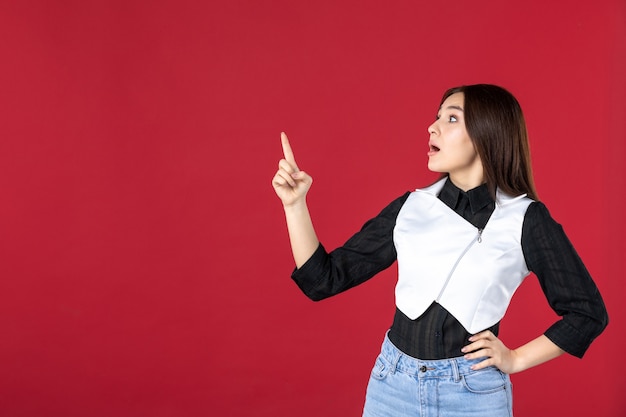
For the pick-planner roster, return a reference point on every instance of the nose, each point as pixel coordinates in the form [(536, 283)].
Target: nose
[(432, 128)]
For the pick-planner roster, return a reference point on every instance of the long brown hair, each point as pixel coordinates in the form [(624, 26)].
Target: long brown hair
[(495, 123)]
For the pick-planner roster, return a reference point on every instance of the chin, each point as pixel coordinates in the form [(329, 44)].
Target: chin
[(434, 168)]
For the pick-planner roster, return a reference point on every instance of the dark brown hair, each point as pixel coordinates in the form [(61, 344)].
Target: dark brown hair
[(495, 123)]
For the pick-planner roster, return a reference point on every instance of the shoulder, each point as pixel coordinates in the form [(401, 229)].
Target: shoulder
[(397, 203), (537, 212), (392, 209), (540, 225)]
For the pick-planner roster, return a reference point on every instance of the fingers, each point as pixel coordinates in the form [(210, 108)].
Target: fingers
[(284, 177), (481, 345), (483, 364), (287, 151), (487, 335), (287, 174), (286, 171), (481, 349), (486, 345), (478, 341)]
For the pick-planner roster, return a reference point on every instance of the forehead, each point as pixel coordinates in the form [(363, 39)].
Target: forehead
[(455, 100)]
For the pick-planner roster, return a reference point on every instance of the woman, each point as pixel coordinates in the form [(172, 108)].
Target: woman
[(463, 245)]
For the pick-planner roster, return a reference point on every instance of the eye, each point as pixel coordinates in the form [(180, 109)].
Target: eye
[(452, 119)]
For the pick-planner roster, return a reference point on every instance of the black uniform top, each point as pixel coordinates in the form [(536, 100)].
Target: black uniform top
[(436, 334)]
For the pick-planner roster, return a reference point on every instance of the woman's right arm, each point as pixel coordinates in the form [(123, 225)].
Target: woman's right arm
[(291, 186), (320, 274)]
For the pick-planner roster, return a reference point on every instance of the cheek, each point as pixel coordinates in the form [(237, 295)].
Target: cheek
[(467, 149), (471, 153)]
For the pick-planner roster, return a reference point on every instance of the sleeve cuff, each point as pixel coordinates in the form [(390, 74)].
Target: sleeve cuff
[(308, 276), (568, 338)]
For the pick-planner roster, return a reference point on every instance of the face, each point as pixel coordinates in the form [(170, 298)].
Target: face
[(450, 148)]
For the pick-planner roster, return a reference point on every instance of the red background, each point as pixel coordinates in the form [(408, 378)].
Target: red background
[(144, 257)]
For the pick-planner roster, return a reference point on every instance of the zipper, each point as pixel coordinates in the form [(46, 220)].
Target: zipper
[(479, 239)]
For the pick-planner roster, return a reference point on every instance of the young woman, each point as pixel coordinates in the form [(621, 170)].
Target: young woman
[(463, 246)]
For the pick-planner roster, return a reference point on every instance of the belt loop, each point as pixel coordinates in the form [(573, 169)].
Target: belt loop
[(396, 359), (455, 370)]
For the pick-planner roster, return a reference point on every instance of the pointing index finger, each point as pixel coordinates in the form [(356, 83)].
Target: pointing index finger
[(287, 151)]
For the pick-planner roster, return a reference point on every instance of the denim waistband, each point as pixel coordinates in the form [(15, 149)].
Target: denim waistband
[(450, 367)]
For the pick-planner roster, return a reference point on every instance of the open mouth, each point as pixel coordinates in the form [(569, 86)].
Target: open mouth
[(433, 148)]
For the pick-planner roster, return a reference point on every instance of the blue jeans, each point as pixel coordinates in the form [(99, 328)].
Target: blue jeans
[(402, 386)]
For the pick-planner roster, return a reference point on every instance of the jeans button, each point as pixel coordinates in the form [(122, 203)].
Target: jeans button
[(423, 368)]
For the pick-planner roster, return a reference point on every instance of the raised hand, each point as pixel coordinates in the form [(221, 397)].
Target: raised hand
[(290, 184)]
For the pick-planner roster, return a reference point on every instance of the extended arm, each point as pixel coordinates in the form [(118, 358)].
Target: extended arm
[(291, 186)]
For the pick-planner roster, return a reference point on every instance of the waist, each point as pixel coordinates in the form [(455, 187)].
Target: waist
[(436, 334), (426, 368)]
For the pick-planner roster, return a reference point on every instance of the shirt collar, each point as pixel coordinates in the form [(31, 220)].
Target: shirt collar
[(479, 197)]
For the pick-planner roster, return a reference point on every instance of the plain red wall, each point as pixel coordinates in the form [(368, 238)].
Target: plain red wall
[(144, 257)]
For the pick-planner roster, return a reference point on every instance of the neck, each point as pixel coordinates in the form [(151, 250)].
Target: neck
[(465, 183)]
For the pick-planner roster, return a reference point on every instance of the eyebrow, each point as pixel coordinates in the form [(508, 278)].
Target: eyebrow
[(455, 108)]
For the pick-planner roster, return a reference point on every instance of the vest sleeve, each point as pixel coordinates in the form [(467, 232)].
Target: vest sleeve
[(366, 253), (565, 281)]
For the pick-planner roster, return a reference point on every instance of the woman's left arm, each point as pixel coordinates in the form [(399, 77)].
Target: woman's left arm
[(569, 289), (510, 361)]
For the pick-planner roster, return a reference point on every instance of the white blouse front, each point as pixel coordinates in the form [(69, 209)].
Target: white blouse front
[(442, 257)]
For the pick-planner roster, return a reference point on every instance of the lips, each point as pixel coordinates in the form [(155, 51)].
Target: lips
[(432, 149)]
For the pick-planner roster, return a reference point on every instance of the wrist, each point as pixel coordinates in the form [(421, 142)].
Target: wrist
[(517, 362), (295, 206)]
